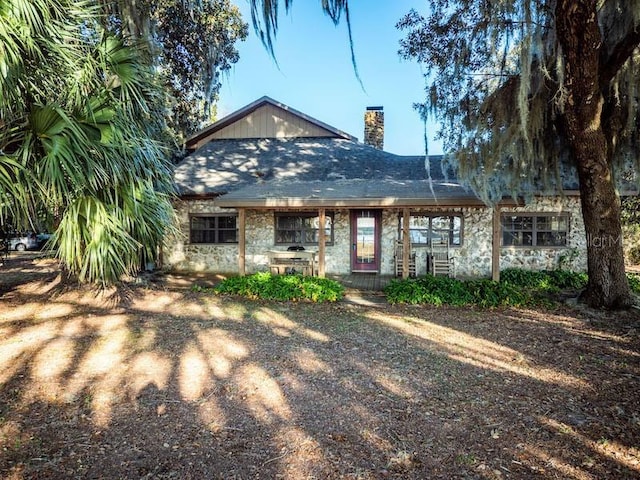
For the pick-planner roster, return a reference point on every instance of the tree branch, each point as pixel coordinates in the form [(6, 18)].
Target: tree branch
[(619, 55)]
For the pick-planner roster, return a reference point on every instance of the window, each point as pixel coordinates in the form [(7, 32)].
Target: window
[(214, 229), (302, 228), (424, 228), (537, 230)]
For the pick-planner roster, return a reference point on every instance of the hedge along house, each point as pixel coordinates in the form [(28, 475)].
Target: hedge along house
[(267, 177)]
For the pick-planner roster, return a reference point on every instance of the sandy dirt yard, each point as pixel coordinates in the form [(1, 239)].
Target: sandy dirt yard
[(156, 382)]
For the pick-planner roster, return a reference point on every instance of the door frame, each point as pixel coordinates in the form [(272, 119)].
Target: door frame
[(366, 267)]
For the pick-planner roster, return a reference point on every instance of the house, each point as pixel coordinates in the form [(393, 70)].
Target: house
[(268, 177)]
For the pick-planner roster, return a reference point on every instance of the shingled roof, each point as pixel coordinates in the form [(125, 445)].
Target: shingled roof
[(312, 172), (305, 162)]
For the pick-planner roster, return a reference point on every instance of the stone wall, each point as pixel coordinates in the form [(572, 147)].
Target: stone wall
[(573, 257), (471, 259), (180, 255)]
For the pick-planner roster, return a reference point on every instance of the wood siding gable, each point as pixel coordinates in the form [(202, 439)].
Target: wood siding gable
[(265, 118), (270, 121)]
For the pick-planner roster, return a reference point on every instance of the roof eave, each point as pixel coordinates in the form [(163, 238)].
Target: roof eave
[(383, 202)]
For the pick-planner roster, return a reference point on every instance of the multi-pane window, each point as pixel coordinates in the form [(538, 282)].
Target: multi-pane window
[(425, 228), (214, 229), (536, 230), (302, 228)]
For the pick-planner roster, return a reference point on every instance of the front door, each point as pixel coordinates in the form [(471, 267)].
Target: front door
[(365, 240)]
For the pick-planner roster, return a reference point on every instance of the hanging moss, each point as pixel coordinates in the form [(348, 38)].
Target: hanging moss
[(496, 81)]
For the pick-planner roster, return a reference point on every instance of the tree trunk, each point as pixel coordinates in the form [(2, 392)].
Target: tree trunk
[(580, 39), (608, 286)]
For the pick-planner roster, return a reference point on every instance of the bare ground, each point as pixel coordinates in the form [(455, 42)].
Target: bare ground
[(158, 382)]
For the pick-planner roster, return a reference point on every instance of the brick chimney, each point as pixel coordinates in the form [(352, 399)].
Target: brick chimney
[(374, 127)]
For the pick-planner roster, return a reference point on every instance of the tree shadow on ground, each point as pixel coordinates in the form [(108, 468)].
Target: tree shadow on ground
[(172, 384)]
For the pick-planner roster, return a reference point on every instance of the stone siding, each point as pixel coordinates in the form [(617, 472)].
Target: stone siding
[(572, 257), (181, 255), (472, 259)]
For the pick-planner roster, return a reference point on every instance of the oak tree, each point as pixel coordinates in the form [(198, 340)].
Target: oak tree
[(524, 89), (192, 44)]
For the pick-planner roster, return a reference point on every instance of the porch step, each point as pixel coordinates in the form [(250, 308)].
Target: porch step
[(365, 299)]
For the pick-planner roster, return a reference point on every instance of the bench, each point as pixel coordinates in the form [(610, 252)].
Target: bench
[(283, 262)]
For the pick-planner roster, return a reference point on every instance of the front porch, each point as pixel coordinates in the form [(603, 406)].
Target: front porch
[(369, 240)]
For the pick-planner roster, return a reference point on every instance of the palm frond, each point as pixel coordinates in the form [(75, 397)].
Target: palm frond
[(77, 137)]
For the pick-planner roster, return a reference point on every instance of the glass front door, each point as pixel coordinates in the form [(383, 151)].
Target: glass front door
[(365, 241)]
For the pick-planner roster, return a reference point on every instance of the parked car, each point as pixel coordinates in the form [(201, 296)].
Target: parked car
[(42, 239), (22, 242)]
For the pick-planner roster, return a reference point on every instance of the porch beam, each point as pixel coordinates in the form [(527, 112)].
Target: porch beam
[(242, 222), (321, 241), (406, 242), (495, 244)]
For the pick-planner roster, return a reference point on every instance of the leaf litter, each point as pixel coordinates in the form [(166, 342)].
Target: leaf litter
[(154, 381)]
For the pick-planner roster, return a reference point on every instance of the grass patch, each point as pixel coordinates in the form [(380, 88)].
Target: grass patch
[(267, 286)]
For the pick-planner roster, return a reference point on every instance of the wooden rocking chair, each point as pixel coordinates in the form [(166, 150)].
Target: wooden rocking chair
[(440, 259), (398, 258)]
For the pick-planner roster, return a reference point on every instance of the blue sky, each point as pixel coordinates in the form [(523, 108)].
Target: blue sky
[(315, 75)]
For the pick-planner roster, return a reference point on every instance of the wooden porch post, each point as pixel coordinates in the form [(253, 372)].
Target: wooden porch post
[(321, 241), (495, 244), (241, 241), (406, 243)]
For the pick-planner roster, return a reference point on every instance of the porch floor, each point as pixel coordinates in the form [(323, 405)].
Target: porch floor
[(363, 281)]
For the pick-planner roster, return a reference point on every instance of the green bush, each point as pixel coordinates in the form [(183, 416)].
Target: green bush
[(516, 288), (448, 291), (430, 290), (547, 281), (487, 293), (634, 282), (266, 286), (634, 254)]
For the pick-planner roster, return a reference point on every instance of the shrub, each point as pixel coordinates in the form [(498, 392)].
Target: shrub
[(266, 286), (552, 281), (448, 291), (427, 290), (634, 255), (516, 288), (634, 282), (487, 293), (547, 281)]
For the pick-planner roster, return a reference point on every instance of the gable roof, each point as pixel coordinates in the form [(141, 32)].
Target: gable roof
[(277, 121)]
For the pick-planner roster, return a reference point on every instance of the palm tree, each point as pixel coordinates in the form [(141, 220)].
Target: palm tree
[(80, 124)]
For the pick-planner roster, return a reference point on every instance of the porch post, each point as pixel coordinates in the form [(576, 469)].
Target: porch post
[(406, 243), (495, 244), (241, 241), (321, 241)]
